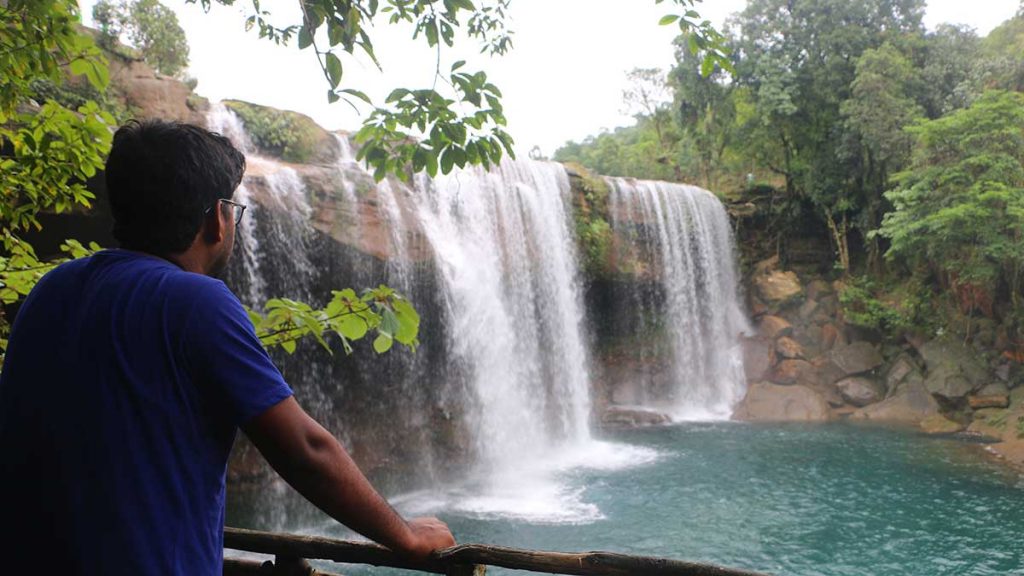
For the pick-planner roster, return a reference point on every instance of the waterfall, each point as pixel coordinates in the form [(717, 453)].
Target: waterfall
[(501, 383), (508, 265), (684, 306)]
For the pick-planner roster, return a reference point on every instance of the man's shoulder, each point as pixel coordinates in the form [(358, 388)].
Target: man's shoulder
[(169, 276), (131, 273)]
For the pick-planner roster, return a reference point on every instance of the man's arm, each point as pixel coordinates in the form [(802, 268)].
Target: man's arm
[(310, 459)]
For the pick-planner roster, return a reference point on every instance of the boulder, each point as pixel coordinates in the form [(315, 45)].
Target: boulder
[(766, 266), (790, 371), (826, 370), (859, 391), (829, 305), (632, 417), (807, 310), (821, 317), (953, 370), (902, 367), (995, 395), (939, 424), (772, 327), (830, 337), (998, 424), (950, 387), (831, 395), (757, 308), (910, 405), (786, 347), (756, 359), (978, 402), (778, 287), (766, 402), (1017, 397), (856, 358), (809, 339), (818, 288), (989, 423), (1003, 372)]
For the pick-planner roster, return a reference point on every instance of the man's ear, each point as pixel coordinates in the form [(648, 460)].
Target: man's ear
[(214, 225)]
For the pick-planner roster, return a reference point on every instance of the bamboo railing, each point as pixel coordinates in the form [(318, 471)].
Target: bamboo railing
[(291, 553)]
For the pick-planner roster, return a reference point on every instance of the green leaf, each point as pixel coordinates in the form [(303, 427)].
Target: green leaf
[(305, 38), (79, 67), (382, 343), (358, 94), (447, 161), (333, 69), (668, 19), (408, 322), (351, 326), (707, 66)]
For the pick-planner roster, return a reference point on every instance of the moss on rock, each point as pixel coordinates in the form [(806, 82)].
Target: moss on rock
[(291, 136), (590, 214)]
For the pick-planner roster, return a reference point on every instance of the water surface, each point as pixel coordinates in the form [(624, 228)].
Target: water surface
[(785, 499)]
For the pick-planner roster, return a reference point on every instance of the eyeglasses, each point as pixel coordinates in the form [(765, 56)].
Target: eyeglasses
[(238, 209)]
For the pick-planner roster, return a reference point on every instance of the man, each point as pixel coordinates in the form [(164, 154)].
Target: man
[(126, 378)]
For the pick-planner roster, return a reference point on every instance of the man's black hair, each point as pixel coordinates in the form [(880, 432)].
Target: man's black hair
[(162, 177)]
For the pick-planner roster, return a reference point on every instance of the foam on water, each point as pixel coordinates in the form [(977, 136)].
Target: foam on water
[(541, 491)]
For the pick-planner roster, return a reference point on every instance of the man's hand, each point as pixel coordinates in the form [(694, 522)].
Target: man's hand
[(428, 534), (314, 463)]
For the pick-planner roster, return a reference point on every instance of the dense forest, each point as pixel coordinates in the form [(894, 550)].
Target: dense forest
[(902, 147)]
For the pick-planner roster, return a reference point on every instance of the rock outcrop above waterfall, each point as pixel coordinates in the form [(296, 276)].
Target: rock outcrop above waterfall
[(150, 95)]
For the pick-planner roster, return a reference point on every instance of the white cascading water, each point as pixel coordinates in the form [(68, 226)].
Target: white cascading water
[(507, 256), (225, 122), (507, 277), (684, 231), (289, 230), (508, 263)]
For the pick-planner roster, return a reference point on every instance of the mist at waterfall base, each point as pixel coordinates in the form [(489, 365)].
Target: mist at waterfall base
[(487, 424)]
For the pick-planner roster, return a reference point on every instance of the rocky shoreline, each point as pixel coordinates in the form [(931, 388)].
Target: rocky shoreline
[(805, 363)]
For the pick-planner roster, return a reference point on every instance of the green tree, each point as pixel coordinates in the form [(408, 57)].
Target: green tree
[(48, 150), (1003, 51), (148, 26), (799, 57), (879, 107), (959, 208), (707, 113), (949, 65), (647, 99)]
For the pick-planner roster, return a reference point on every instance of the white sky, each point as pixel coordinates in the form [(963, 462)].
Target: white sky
[(562, 81)]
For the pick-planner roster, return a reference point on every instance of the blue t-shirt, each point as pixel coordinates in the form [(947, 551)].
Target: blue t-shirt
[(124, 384)]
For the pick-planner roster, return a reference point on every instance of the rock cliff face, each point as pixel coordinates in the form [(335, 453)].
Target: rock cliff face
[(804, 350)]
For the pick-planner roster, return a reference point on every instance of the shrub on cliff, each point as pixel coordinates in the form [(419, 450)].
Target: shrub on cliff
[(289, 135)]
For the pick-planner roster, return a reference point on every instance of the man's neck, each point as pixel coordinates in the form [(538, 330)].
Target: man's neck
[(185, 260)]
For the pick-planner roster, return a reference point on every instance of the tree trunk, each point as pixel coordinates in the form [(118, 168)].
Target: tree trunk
[(839, 235)]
